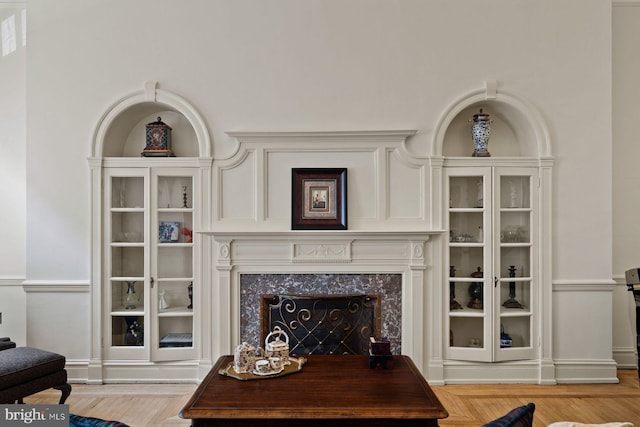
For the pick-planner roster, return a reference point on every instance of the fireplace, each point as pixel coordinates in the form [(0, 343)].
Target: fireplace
[(387, 286), (394, 265)]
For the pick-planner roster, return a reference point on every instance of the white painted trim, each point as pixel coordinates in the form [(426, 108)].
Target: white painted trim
[(492, 94), (583, 285), (56, 286), (149, 94), (625, 357), (586, 371), (11, 280), (625, 3), (12, 4)]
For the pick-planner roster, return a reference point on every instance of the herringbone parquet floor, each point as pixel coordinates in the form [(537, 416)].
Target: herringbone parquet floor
[(157, 405)]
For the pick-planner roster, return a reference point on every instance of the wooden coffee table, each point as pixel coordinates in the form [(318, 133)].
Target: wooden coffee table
[(329, 390)]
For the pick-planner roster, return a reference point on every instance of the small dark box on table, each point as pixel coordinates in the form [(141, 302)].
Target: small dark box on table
[(380, 356)]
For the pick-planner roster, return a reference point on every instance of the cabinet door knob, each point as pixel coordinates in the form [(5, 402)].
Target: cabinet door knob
[(151, 281), (495, 281)]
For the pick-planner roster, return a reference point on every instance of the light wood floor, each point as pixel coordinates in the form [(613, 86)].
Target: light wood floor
[(158, 405)]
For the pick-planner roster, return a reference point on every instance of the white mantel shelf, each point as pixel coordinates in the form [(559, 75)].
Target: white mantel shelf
[(324, 234), (319, 246)]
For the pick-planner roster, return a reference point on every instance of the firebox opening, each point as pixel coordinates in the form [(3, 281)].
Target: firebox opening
[(322, 324), (387, 286)]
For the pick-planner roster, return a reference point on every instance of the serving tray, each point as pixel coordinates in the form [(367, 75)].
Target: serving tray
[(292, 368)]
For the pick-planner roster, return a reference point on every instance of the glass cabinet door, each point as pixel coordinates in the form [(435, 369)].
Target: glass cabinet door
[(490, 255), (126, 225), (173, 264), (514, 257), (469, 249)]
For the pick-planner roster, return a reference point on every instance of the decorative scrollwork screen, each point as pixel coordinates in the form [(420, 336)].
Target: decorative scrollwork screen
[(323, 324)]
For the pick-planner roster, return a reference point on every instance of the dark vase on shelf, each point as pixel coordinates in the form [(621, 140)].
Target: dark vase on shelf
[(475, 291), (453, 304)]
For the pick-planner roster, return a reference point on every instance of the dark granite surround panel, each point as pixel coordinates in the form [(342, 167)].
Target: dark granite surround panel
[(388, 286)]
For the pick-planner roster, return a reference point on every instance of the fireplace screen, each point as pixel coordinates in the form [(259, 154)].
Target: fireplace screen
[(323, 324)]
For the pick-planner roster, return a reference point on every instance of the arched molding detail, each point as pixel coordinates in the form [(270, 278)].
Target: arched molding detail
[(152, 94), (491, 94)]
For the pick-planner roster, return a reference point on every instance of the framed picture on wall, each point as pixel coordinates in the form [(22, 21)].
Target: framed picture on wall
[(319, 199)]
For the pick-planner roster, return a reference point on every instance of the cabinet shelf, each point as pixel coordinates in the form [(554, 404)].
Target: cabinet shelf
[(515, 209), (121, 311), (515, 245), (466, 312), (136, 209), (462, 279), (466, 244), (176, 312), (126, 244), (514, 279), (465, 210), (175, 210), (175, 245), (515, 312), (126, 279)]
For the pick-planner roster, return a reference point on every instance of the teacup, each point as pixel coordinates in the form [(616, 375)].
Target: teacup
[(276, 363), (263, 366)]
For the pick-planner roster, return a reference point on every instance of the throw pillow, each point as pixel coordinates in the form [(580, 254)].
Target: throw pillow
[(572, 424), (521, 416), (80, 421)]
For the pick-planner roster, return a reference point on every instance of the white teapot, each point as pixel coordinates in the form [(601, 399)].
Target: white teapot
[(274, 346), (244, 358)]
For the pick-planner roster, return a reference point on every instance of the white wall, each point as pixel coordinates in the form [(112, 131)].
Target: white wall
[(324, 65), (626, 173), (12, 178)]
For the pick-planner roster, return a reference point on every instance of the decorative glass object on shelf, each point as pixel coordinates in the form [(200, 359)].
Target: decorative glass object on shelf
[(131, 299), (163, 304), (158, 140)]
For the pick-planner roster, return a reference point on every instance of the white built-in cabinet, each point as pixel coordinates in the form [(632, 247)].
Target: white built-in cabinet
[(496, 290), (492, 259), (150, 262), (149, 284)]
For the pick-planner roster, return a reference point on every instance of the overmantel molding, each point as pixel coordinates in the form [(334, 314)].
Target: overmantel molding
[(328, 140), (309, 136), (388, 248)]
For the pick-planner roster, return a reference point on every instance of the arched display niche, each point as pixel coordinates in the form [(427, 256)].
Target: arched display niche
[(518, 128), (121, 130)]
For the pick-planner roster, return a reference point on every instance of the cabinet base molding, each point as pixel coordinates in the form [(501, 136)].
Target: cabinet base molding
[(522, 372), (127, 373)]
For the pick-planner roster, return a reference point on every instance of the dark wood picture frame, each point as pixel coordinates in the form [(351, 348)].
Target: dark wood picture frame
[(319, 199)]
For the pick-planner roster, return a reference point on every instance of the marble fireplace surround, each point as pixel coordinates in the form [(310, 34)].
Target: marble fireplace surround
[(342, 262)]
